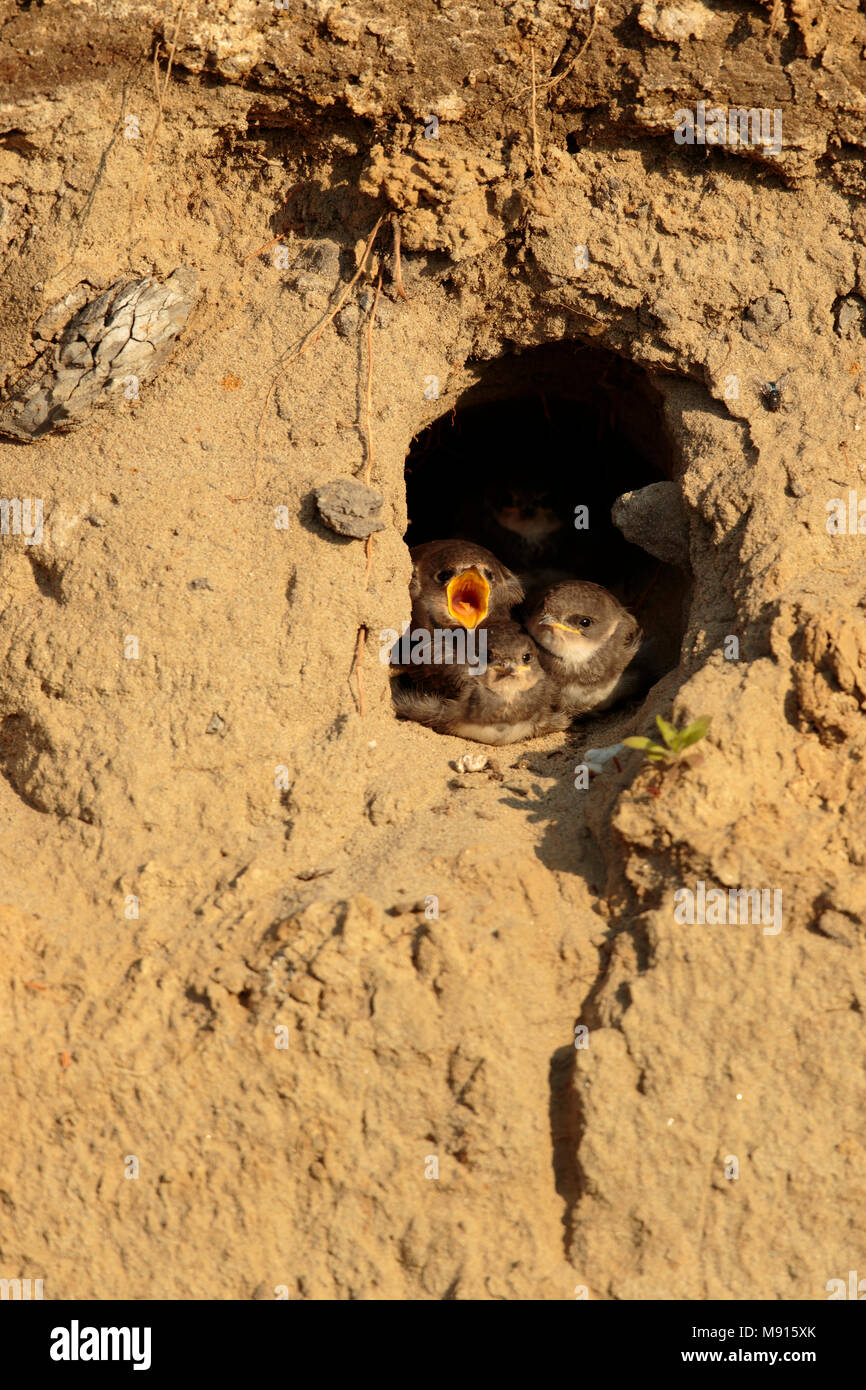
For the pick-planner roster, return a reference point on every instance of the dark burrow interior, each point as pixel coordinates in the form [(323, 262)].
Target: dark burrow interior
[(528, 464)]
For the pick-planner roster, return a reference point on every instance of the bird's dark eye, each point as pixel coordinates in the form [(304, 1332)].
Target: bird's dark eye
[(579, 620), (488, 575), (527, 657), (445, 576)]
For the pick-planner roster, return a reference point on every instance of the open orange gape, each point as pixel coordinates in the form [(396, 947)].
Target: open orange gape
[(468, 597)]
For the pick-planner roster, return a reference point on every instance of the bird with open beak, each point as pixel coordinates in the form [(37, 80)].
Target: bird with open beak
[(586, 639), (508, 699), (522, 519), (458, 584)]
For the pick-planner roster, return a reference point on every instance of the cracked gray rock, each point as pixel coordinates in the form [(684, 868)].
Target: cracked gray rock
[(350, 508), (851, 316), (114, 343), (655, 518), (765, 317)]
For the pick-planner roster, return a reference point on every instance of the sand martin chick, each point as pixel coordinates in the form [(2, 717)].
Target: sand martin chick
[(586, 639), (520, 519), (509, 699), (458, 584)]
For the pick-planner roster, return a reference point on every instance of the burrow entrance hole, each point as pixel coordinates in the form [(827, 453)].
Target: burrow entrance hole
[(544, 433)]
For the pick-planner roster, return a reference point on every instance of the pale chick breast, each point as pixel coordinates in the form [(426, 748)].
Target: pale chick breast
[(493, 733), (579, 699), (577, 650)]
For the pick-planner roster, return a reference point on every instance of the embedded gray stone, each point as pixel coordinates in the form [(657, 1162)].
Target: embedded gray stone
[(350, 508), (114, 343), (851, 316), (765, 316), (655, 518)]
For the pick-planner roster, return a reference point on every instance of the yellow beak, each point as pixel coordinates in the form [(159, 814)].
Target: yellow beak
[(563, 627), (468, 596)]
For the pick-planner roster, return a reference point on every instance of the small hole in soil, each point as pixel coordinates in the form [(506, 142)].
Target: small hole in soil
[(544, 434)]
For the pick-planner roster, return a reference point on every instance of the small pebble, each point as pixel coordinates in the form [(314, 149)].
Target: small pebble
[(472, 762), (350, 508)]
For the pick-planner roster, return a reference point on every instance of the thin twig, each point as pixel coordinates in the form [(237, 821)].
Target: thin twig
[(290, 226), (368, 471), (368, 429), (555, 81), (136, 203), (356, 668), (581, 313), (83, 216), (312, 336), (368, 557), (267, 246), (536, 156), (86, 210), (344, 296), (398, 271), (160, 102)]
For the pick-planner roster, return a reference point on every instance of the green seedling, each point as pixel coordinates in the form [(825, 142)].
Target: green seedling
[(676, 741)]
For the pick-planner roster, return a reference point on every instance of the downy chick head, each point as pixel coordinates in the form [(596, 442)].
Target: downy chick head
[(512, 666), (459, 584), (528, 512), (582, 623)]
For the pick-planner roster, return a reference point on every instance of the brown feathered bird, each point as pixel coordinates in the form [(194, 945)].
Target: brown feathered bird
[(459, 584), (586, 640), (507, 698)]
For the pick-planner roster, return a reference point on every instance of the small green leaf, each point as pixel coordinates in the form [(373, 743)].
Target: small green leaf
[(668, 732), (694, 731), (676, 741)]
